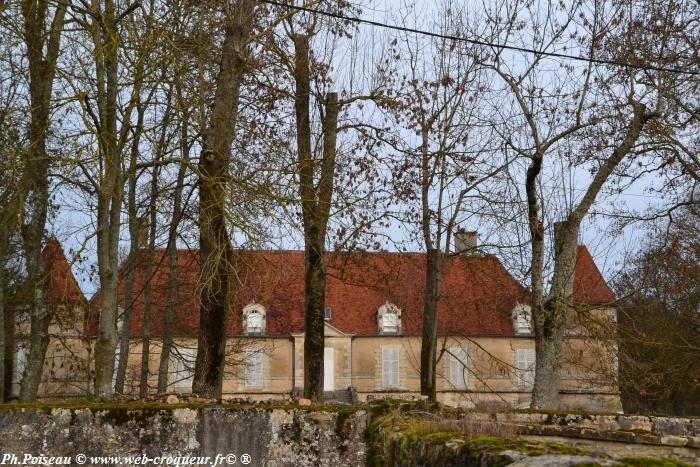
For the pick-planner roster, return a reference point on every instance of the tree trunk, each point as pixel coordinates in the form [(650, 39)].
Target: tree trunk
[(314, 289), (172, 259), (550, 327), (214, 241), (148, 293), (135, 229), (9, 212), (38, 342), (153, 219), (109, 197), (39, 311), (7, 323), (550, 315), (9, 355), (428, 354), (3, 341), (41, 74), (315, 206)]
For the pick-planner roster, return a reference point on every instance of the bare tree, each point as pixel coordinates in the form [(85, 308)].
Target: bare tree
[(316, 177), (14, 183), (135, 237), (659, 323), (560, 112), (105, 25), (173, 260), (436, 97), (215, 243), (43, 41)]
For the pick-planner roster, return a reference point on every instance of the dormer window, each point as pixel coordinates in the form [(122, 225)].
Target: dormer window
[(522, 319), (389, 319), (328, 313), (254, 319)]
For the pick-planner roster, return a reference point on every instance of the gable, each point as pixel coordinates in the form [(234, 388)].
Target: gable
[(60, 284), (589, 285)]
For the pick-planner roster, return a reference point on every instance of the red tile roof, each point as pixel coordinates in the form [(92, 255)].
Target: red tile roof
[(61, 286), (477, 293), (589, 285)]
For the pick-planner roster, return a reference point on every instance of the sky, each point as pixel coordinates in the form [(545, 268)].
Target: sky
[(609, 247)]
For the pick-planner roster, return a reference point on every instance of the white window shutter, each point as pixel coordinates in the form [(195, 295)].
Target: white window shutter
[(459, 364), (390, 366), (259, 369), (117, 356), (525, 363), (254, 323), (21, 362), (253, 368), (183, 367)]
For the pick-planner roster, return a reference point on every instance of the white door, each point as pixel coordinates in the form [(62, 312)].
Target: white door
[(328, 369)]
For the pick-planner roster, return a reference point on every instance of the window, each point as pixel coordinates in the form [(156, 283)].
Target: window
[(253, 368), (391, 322), (117, 355), (459, 364), (389, 318), (390, 366), (183, 367), (254, 319), (522, 319), (21, 362), (254, 323), (525, 363), (327, 313)]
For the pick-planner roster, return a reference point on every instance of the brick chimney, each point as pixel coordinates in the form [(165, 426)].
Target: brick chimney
[(465, 241)]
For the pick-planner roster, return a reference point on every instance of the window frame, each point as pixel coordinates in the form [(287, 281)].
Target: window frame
[(183, 376), (254, 380), (525, 361), (522, 320), (261, 312), (390, 323), (384, 327), (20, 361), (391, 367), (257, 316), (456, 379)]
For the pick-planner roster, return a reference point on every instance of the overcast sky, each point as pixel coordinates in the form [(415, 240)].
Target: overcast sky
[(609, 248)]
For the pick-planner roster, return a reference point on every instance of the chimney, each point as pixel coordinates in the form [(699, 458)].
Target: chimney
[(142, 230), (465, 241)]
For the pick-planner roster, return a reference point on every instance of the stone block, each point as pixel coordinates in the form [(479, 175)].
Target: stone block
[(321, 417), (172, 399), (605, 422), (671, 426), (634, 423), (521, 418), (694, 442), (672, 440)]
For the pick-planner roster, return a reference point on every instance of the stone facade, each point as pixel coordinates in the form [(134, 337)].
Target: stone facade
[(372, 333)]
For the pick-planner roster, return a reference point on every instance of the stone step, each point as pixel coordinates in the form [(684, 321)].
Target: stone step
[(342, 395)]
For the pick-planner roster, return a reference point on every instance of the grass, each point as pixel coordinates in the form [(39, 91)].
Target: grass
[(651, 462)]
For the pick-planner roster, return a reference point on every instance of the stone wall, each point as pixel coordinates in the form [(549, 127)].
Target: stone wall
[(388, 433), (269, 436), (417, 433)]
